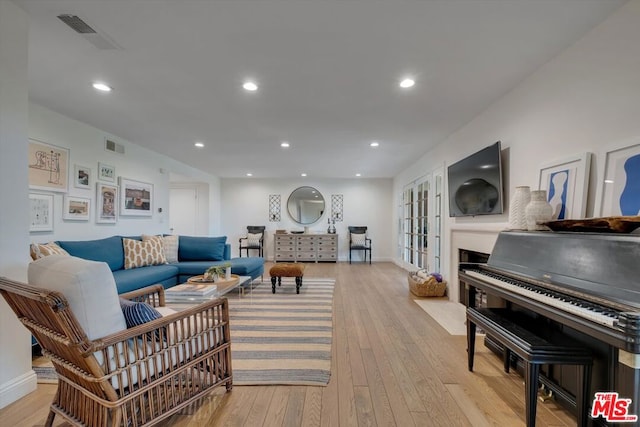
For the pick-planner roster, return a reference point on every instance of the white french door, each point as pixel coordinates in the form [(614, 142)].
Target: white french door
[(421, 229)]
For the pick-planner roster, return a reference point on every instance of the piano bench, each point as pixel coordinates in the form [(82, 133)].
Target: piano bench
[(534, 350)]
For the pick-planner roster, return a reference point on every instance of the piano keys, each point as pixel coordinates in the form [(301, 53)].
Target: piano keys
[(586, 285)]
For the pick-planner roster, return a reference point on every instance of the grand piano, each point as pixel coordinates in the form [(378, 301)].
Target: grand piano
[(584, 285)]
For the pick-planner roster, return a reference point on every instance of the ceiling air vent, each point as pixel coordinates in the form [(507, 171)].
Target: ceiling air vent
[(113, 146), (99, 40), (78, 25)]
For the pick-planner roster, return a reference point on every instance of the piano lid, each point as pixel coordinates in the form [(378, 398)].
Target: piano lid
[(603, 265)]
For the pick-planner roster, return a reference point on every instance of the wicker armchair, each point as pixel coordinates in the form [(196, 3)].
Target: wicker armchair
[(153, 370)]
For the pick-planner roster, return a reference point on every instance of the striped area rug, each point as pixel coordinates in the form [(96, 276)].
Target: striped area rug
[(283, 338)]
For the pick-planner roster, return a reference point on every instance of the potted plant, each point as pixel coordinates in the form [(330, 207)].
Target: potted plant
[(216, 272)]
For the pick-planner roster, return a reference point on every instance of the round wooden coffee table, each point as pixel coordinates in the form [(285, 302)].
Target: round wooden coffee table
[(220, 282)]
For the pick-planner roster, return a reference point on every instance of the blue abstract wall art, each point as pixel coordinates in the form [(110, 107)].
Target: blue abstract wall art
[(557, 195), (630, 197)]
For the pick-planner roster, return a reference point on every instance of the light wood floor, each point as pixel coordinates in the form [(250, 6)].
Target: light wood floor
[(392, 365)]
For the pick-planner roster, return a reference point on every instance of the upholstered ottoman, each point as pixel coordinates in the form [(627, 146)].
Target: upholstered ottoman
[(278, 271)]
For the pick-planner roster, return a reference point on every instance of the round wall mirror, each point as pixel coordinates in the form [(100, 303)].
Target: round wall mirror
[(305, 205)]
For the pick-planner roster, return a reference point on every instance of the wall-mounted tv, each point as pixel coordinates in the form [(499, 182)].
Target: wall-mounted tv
[(475, 184)]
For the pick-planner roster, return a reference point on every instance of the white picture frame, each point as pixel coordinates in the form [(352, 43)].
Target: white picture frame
[(48, 167), (76, 208), (136, 197), (618, 191), (106, 203), (106, 172), (40, 212), (82, 177), (566, 181)]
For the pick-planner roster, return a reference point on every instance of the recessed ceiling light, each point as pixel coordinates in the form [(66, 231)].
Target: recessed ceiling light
[(250, 86), (358, 174), (249, 174), (103, 87), (374, 144), (407, 82), (284, 144), (303, 174), (199, 144)]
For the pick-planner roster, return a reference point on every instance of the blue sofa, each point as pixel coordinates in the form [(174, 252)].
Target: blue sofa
[(111, 251)]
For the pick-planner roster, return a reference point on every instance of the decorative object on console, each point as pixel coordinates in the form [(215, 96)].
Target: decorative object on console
[(76, 208), (106, 199), (336, 207), (40, 212), (136, 197), (332, 226), (519, 201), (619, 191), (566, 182), (538, 210), (611, 224), (48, 167), (274, 208)]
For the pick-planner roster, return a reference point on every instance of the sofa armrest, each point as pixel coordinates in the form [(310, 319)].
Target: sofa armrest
[(227, 251)]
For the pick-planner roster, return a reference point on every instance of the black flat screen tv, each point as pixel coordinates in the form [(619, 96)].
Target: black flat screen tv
[(475, 184)]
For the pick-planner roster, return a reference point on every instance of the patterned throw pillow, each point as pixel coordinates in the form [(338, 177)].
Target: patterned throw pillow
[(254, 239), (358, 239), (138, 313), (41, 250), (169, 246), (140, 254)]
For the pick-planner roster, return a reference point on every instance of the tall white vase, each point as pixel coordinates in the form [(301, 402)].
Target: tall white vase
[(517, 206), (538, 209)]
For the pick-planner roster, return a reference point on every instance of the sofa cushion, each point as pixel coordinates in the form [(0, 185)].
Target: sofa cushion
[(130, 280), (143, 253), (107, 250), (201, 248), (41, 250), (88, 287)]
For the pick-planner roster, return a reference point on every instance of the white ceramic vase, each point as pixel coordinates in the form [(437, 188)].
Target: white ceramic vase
[(537, 210), (519, 201)]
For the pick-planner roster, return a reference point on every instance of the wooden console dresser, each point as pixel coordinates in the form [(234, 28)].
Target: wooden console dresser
[(305, 247)]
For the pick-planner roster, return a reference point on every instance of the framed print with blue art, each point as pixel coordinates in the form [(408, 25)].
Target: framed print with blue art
[(619, 180), (566, 181)]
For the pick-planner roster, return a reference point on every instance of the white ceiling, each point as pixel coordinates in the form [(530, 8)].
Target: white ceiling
[(327, 70)]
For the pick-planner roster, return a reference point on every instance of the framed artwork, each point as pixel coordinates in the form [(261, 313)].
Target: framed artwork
[(619, 180), (106, 202), (48, 167), (76, 208), (82, 177), (106, 172), (40, 212), (567, 184), (136, 198)]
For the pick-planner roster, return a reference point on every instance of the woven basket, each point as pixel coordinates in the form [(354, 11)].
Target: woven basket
[(430, 288)]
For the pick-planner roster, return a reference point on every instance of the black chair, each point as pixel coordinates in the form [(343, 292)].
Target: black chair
[(253, 243), (358, 241)]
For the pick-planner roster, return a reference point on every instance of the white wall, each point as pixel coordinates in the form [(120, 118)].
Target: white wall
[(86, 146), (584, 99), (245, 201), (16, 376)]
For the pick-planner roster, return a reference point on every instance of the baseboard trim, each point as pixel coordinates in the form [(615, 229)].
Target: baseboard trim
[(17, 388)]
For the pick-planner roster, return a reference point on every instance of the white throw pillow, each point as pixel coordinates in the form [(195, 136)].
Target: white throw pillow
[(253, 239), (358, 239), (89, 288)]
